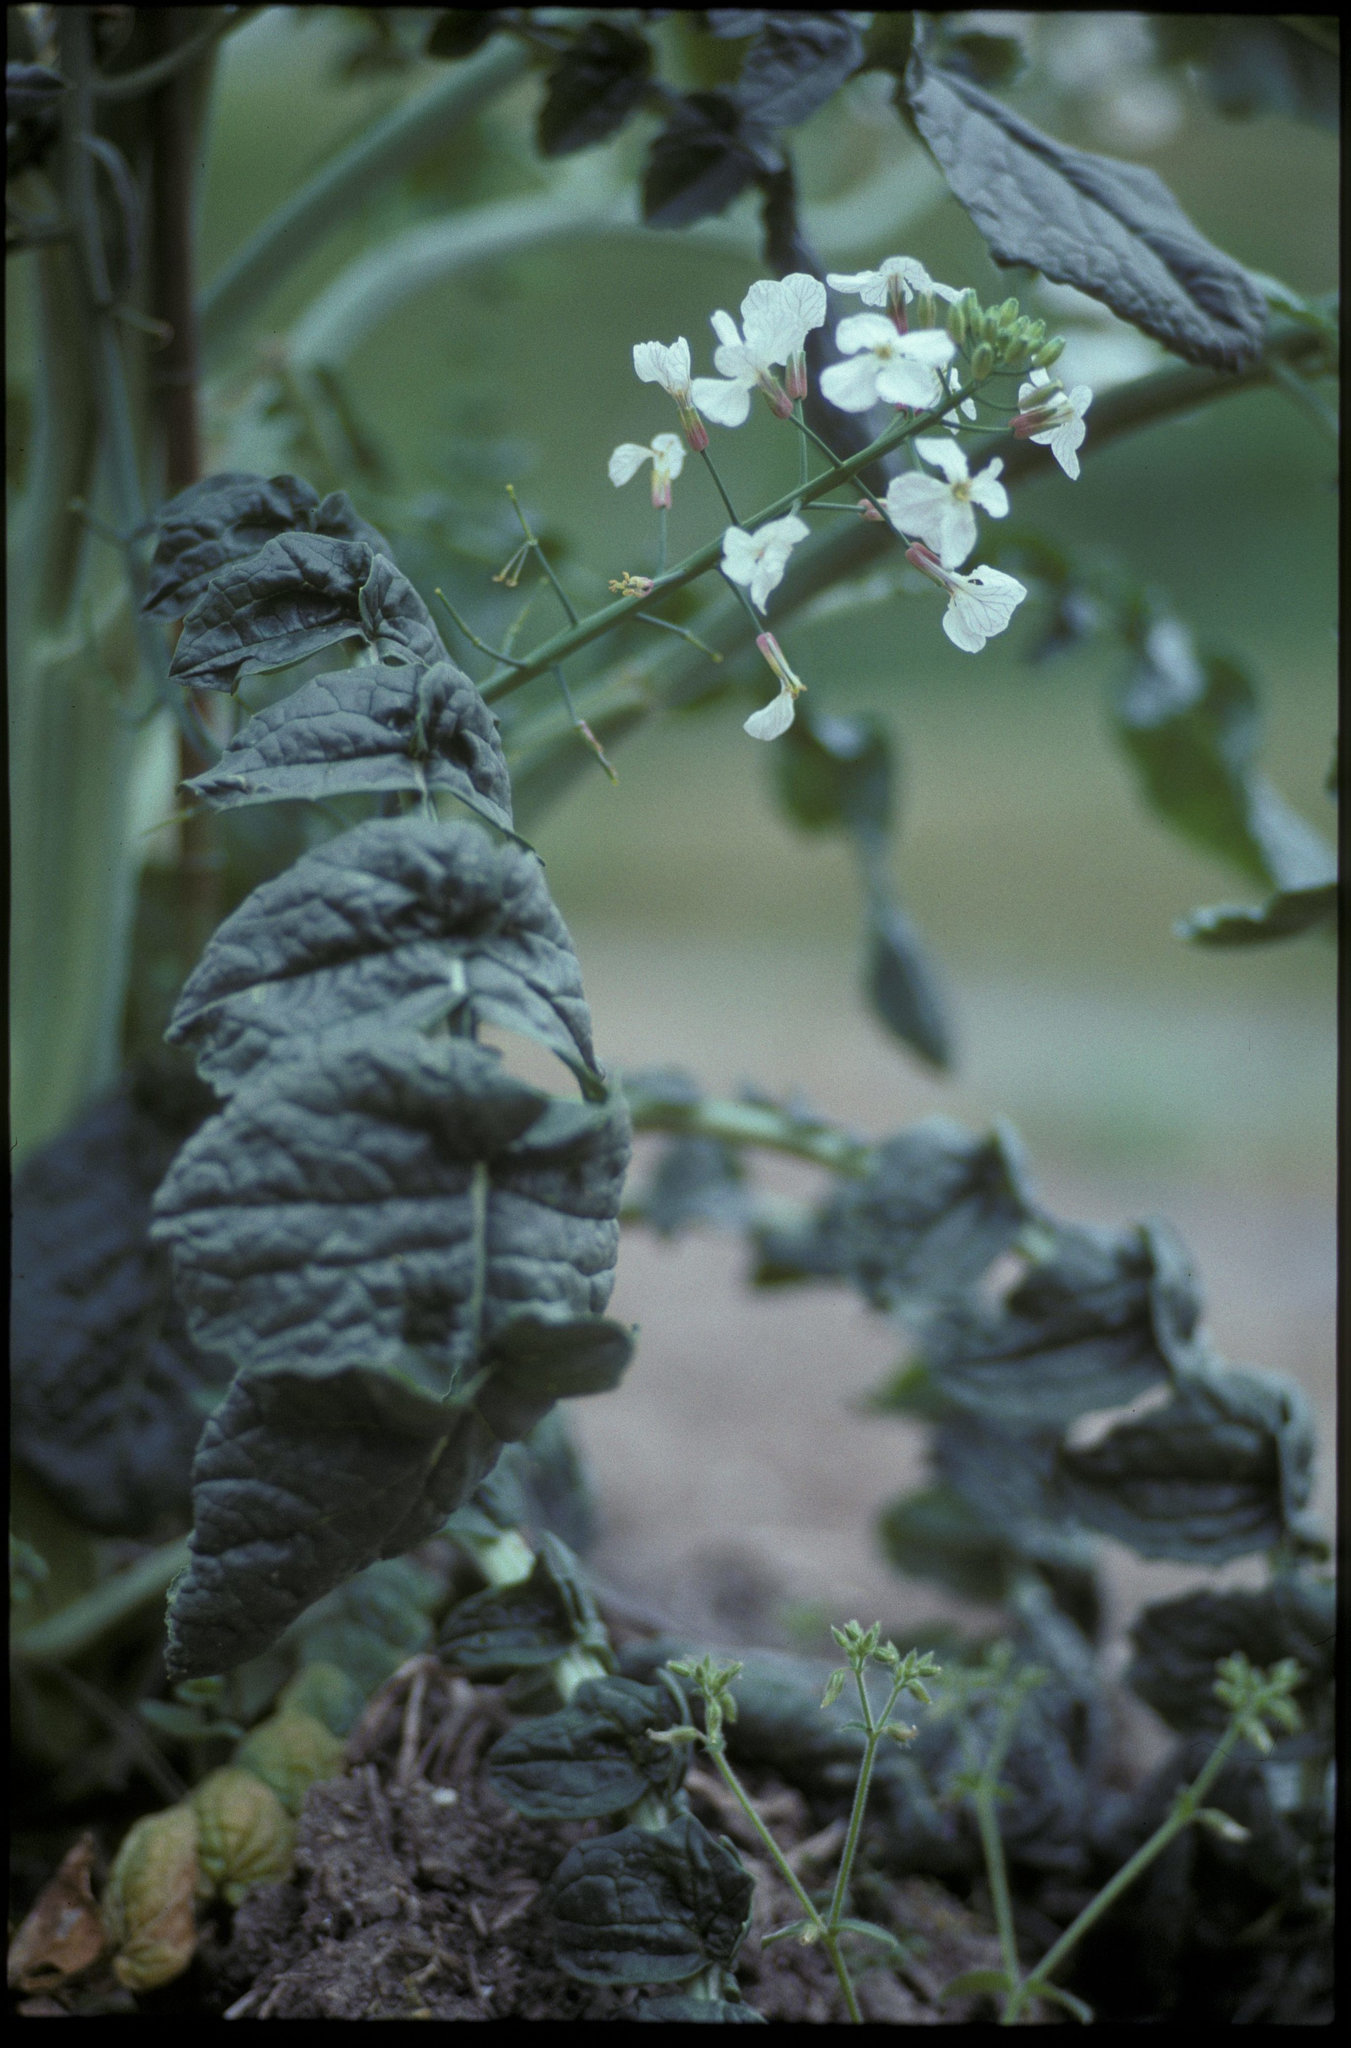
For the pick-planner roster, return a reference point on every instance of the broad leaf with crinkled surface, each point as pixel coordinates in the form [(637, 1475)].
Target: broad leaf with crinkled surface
[(295, 597), (593, 1758), (403, 921), (391, 1205), (649, 1907), (1111, 229), (1178, 1643), (387, 726), (230, 516)]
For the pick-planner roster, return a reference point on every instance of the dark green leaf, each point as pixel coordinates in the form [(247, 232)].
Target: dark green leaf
[(536, 1360), (901, 986), (649, 1908), (596, 84), (295, 597), (370, 1626), (936, 1534), (1111, 229), (834, 774), (109, 1393), (517, 1628), (695, 1180), (404, 921), (990, 55), (1094, 1326), (794, 65), (592, 1759), (459, 31), (1191, 727), (703, 159), (1289, 914), (392, 1206), (1178, 1643), (1265, 64), (387, 726), (230, 516), (299, 1483), (934, 1210), (683, 2006), (1223, 1468)]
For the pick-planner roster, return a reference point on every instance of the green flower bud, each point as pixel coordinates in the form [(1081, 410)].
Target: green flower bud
[(1007, 314), (1036, 333), (982, 362), (956, 321), (989, 326), (1049, 353), (923, 315)]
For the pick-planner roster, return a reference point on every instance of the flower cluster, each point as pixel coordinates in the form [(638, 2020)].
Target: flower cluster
[(919, 346)]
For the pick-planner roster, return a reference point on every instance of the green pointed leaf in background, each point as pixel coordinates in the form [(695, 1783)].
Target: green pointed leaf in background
[(1289, 914), (901, 987), (401, 922), (599, 80), (835, 774), (390, 726), (640, 1907)]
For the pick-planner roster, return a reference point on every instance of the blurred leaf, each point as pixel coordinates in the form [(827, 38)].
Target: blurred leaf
[(459, 31), (1094, 1326), (366, 1628), (148, 1900), (289, 1752), (695, 1180), (796, 62), (1222, 1469), (592, 1759), (706, 155), (377, 727), (1191, 727), (516, 1628), (62, 1935), (1260, 63), (935, 1208), (593, 88), (901, 987), (108, 1387), (1111, 229), (682, 2006), (1177, 1644), (835, 774), (1289, 914), (244, 1834), (933, 1534), (537, 1360), (403, 921), (640, 1907), (230, 516), (297, 596)]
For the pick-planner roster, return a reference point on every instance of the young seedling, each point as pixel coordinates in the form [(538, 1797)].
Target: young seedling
[(906, 1674)]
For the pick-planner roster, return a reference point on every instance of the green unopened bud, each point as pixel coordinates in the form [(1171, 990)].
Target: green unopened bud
[(1223, 1825), (923, 314), (956, 321), (1007, 314), (1036, 333), (834, 1687), (1015, 354), (989, 326), (900, 1731), (1049, 353), (982, 362), (971, 306)]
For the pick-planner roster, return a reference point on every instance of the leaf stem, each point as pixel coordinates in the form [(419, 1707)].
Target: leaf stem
[(543, 560), (495, 654), (95, 1614)]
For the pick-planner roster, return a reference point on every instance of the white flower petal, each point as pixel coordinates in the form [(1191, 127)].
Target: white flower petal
[(870, 285), (728, 405), (980, 606), (945, 455), (733, 359), (988, 492), (851, 386), (773, 720), (655, 363), (928, 345), (669, 451), (914, 500), (740, 555), (725, 327), (906, 383), (627, 460), (864, 330)]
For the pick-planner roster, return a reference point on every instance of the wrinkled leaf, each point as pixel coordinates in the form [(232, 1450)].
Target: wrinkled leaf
[(372, 728), (1111, 229), (635, 1907), (1289, 914), (596, 84), (404, 922), (109, 1392), (936, 1207), (148, 1900), (1094, 1326), (297, 596), (592, 1759), (516, 1628), (1223, 1468), (301, 1482), (901, 987), (1178, 1643), (391, 1205), (288, 1753), (695, 1180), (230, 516), (366, 1628), (834, 774), (1191, 727), (245, 1835), (936, 1534), (706, 155), (794, 65), (331, 1694), (62, 1934), (537, 1360)]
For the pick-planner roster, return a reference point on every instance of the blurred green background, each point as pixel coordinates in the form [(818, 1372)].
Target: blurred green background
[(1043, 889)]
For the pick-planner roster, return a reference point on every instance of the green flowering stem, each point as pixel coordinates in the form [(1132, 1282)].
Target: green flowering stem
[(750, 1123), (1253, 1697)]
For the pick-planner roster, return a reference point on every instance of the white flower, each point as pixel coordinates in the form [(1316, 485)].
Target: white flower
[(901, 369), (655, 363), (940, 513), (1052, 418), (759, 559), (777, 314), (896, 281), (664, 453), (968, 405), (979, 605), (776, 716)]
